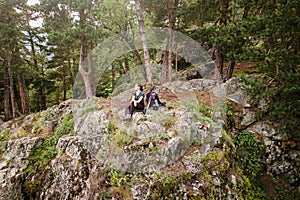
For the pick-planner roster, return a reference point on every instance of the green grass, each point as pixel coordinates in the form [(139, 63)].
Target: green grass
[(43, 153)]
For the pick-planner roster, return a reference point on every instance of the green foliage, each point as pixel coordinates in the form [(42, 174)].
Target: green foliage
[(284, 194), (118, 178), (228, 139), (21, 133), (201, 112), (255, 88), (4, 135), (66, 126), (121, 138), (111, 126), (169, 121), (253, 192), (30, 170), (164, 136), (249, 154), (3, 147), (298, 161), (31, 187), (165, 120), (43, 153), (164, 186), (285, 107), (282, 96), (120, 183), (91, 108)]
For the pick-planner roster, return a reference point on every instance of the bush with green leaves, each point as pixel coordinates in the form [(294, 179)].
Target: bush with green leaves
[(282, 94), (249, 153), (43, 153)]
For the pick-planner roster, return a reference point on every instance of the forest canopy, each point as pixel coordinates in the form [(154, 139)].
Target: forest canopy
[(39, 62)]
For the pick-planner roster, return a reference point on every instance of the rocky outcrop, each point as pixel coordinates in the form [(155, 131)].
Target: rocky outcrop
[(13, 166), (175, 152), (281, 155)]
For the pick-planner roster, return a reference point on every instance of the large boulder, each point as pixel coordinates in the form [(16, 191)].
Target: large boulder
[(13, 165)]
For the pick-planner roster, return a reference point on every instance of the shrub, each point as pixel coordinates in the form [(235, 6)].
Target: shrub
[(249, 153), (282, 93)]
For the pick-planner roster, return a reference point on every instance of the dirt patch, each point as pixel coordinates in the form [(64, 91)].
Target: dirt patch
[(203, 98)]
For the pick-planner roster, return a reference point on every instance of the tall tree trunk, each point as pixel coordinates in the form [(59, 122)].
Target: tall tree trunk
[(167, 60), (7, 108), (144, 42), (220, 62), (170, 54), (70, 72), (64, 78), (163, 75), (64, 86), (33, 50), (85, 74), (43, 99), (84, 52), (11, 88), (23, 95), (43, 103), (224, 4), (230, 70), (172, 10)]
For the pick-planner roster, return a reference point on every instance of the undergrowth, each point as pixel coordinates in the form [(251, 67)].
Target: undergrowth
[(281, 94)]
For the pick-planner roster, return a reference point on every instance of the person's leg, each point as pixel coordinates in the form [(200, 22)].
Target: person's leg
[(131, 108), (140, 107), (150, 103), (158, 101)]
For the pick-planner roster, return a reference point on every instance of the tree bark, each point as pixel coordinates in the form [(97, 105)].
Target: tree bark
[(230, 70), (23, 95), (167, 60), (65, 87), (64, 78), (11, 88), (32, 49), (144, 42), (170, 54), (220, 62), (70, 72), (84, 52), (163, 75), (42, 103), (85, 74), (7, 108), (224, 4), (172, 10)]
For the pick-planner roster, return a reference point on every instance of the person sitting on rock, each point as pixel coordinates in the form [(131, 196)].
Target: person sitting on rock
[(152, 99), (137, 100)]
